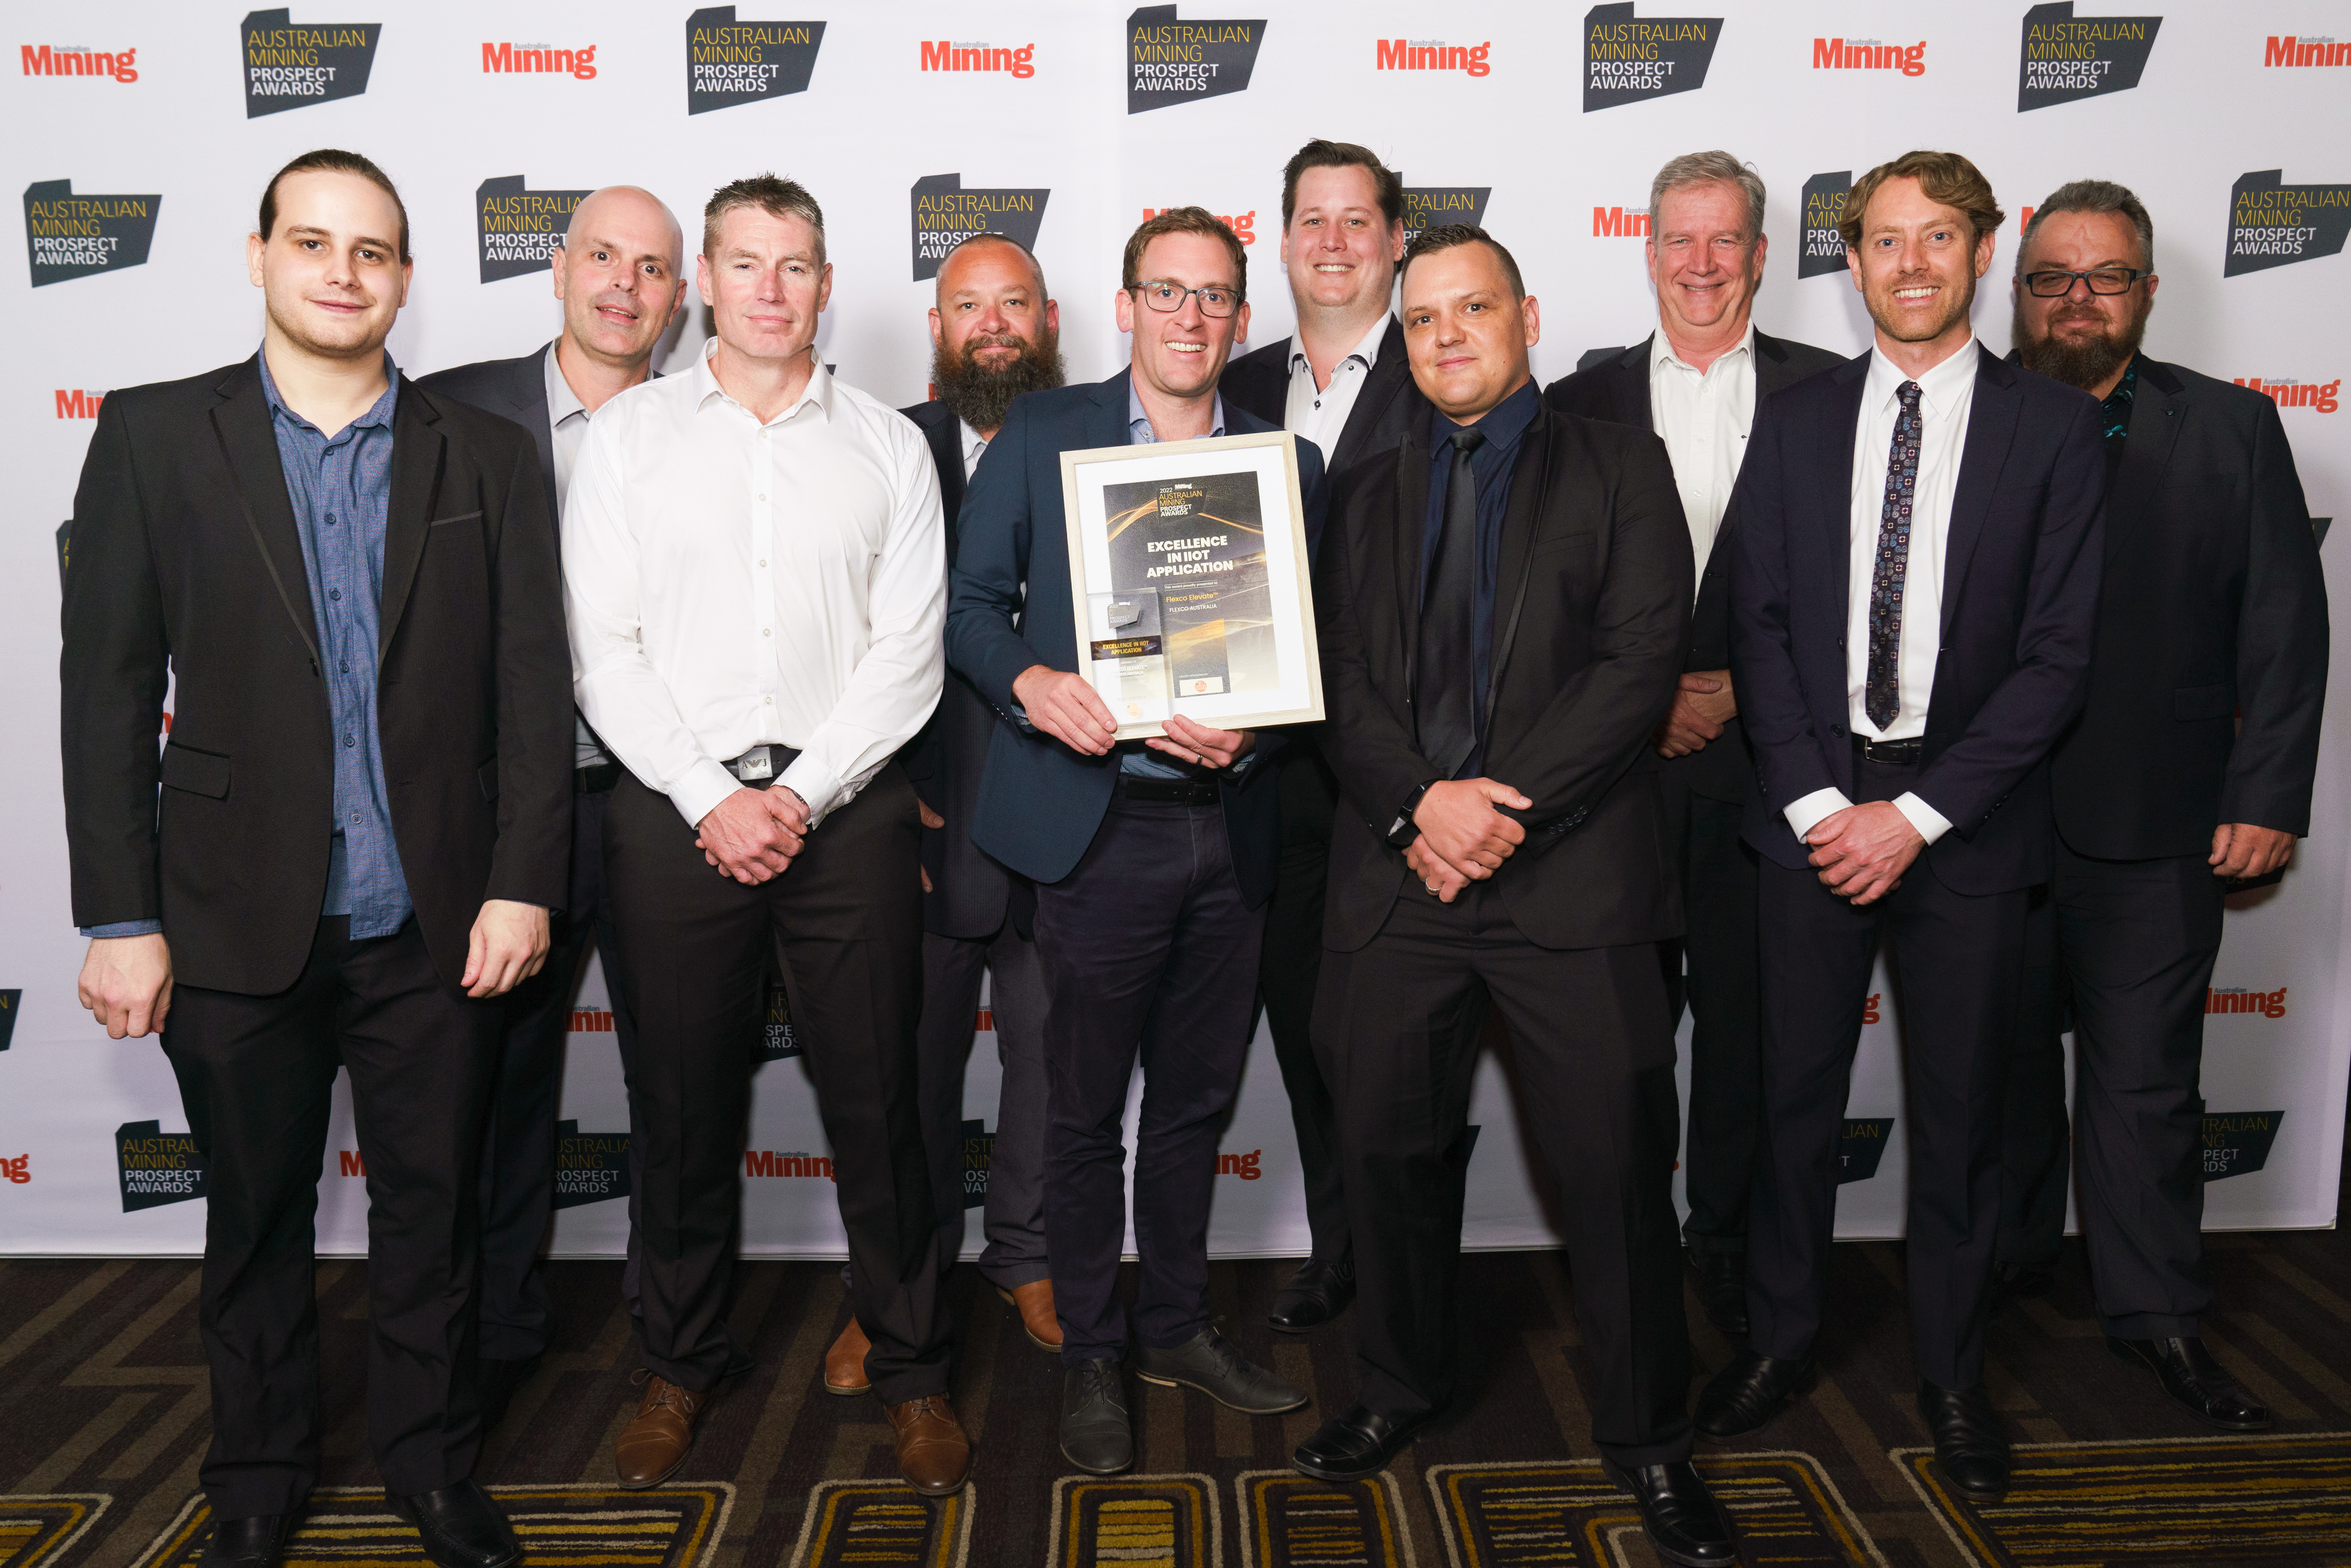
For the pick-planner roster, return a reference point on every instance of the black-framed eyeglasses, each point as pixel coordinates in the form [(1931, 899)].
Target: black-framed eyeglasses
[(1162, 296), (2101, 279)]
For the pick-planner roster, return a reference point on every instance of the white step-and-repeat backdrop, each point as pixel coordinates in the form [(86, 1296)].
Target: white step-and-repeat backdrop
[(140, 136)]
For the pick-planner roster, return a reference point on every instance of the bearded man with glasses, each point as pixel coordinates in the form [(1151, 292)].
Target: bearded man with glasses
[(2188, 776)]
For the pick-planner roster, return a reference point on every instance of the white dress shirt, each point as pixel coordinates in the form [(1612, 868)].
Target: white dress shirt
[(974, 446), (1319, 413), (1947, 394), (1703, 417), (733, 584)]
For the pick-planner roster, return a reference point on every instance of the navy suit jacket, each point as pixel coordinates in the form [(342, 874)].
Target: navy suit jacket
[(1040, 802), (2020, 606)]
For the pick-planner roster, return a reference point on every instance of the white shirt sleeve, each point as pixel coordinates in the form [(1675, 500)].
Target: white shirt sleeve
[(1931, 824), (1805, 813)]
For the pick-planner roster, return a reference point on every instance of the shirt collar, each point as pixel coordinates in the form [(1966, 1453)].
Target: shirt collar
[(1939, 389), (562, 402), (1367, 351), (1138, 423), (379, 412), (1661, 352), (974, 443), (819, 390), (1503, 423)]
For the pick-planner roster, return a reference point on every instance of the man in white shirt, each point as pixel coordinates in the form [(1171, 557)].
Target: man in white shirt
[(1695, 382), (1919, 552), (755, 580)]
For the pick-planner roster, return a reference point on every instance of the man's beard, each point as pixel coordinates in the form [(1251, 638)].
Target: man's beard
[(980, 394), (2087, 362)]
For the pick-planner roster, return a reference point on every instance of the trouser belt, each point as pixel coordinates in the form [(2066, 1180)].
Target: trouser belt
[(761, 766), (1895, 753)]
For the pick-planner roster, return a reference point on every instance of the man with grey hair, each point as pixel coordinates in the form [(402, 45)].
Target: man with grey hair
[(1695, 382), (2187, 776), (619, 278)]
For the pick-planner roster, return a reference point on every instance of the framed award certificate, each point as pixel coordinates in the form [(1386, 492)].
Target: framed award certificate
[(1190, 583)]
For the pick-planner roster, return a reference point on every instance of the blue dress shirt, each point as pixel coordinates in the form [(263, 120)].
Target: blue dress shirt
[(1505, 424)]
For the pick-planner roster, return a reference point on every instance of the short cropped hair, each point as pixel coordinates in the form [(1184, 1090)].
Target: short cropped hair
[(1183, 221), (1715, 168), (1945, 177), (1319, 154), (333, 161), (1444, 236), (772, 194), (1035, 267), (2093, 196)]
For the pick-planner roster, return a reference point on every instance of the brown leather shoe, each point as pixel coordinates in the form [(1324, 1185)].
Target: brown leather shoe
[(845, 1363), (654, 1443), (1034, 1303), (934, 1454)]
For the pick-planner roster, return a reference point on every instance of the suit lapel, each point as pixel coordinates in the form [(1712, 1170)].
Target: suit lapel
[(2158, 410), (1992, 426), (417, 449), (528, 392), (1836, 456), (1409, 526), (1521, 521), (946, 436), (1629, 387), (1381, 383), (257, 473), (1770, 366)]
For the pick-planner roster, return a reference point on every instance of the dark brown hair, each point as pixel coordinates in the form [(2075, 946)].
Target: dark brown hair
[(333, 161), (1944, 177), (1320, 154), (1444, 236), (2092, 196), (772, 194), (1183, 221)]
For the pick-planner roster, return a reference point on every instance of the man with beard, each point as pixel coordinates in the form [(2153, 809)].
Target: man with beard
[(2188, 774), (1911, 609), (995, 334)]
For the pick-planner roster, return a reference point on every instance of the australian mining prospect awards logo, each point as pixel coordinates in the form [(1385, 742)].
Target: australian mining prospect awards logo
[(589, 1167), (1170, 62), (2067, 57), (1821, 250), (69, 236), (978, 1156), (730, 62), (289, 67), (776, 1038), (1631, 60), (1433, 206), (2238, 1143), (11, 1002), (158, 1168), (2272, 223), (520, 228), (946, 214), (1862, 1148)]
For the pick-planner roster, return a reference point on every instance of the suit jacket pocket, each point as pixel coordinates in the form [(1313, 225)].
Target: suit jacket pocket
[(197, 772), (488, 775), (460, 517), (2202, 702), (1554, 544)]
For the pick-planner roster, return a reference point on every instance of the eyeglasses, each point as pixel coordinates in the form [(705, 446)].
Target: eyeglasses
[(1215, 299), (2102, 280)]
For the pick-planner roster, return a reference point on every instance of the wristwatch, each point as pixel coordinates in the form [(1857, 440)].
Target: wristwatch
[(1402, 831)]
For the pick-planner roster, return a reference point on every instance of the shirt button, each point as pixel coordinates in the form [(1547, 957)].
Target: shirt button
[(334, 593), (330, 519), (346, 666), (769, 700), (763, 563), (349, 741), (763, 631)]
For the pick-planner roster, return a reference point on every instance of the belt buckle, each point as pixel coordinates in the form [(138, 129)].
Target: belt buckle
[(756, 763)]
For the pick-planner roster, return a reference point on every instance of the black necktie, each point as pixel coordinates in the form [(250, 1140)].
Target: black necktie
[(1445, 694)]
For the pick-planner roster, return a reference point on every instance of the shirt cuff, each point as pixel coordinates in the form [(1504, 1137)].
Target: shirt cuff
[(1931, 824), (704, 786), (1020, 719), (818, 790), (125, 928), (1804, 814)]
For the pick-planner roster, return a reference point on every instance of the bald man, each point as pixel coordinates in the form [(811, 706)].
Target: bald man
[(620, 276)]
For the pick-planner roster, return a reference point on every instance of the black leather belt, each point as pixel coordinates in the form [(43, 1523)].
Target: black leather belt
[(761, 766), (1894, 753), (1167, 791), (595, 778)]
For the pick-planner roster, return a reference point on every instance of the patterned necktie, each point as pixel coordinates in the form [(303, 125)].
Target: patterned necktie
[(1882, 695)]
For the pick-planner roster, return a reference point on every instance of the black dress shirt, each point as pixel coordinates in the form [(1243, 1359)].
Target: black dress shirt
[(1490, 465)]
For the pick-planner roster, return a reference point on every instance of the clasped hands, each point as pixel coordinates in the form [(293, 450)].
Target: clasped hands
[(753, 834), (1062, 705), (1463, 839), (1861, 851)]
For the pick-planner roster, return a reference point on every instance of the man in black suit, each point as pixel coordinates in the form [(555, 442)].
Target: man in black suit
[(995, 334), (620, 276), (1911, 610), (2190, 767), (1503, 599), (1344, 383), (360, 833), (1697, 382)]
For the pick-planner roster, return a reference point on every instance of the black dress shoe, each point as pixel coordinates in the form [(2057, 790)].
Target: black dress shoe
[(2196, 1382), (461, 1526), (258, 1542), (1969, 1445), (1097, 1434), (1358, 1444), (1748, 1393), (1683, 1520), (1318, 1292), (498, 1382), (1722, 1288)]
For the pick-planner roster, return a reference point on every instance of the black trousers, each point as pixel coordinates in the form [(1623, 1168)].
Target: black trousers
[(1957, 961), (1015, 1213), (1148, 950), (847, 921), (2134, 942), (519, 1146), (1723, 989), (1396, 1025), (256, 1074), (1291, 963), (2036, 1143)]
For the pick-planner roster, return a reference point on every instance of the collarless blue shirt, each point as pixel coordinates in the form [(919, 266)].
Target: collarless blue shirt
[(341, 488), (1490, 465), (1133, 757)]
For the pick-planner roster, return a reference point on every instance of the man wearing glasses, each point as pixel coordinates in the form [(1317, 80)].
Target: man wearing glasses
[(1153, 861), (2188, 772)]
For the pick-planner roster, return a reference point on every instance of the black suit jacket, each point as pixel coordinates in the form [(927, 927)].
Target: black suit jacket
[(512, 389), (2209, 673), (2020, 600), (1589, 622), (1389, 405), (187, 554), (1613, 384)]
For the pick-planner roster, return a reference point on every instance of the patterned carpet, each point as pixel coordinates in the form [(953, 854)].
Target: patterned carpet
[(103, 1420)]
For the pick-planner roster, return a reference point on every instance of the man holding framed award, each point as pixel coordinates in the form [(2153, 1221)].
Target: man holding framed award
[(1125, 778)]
